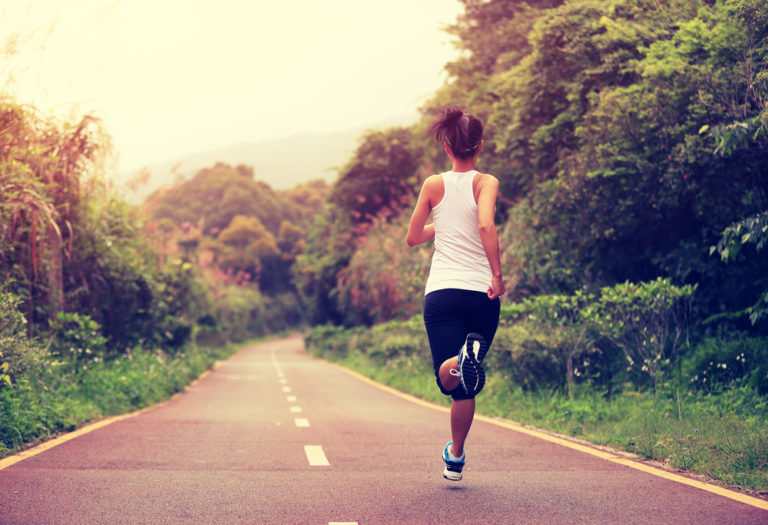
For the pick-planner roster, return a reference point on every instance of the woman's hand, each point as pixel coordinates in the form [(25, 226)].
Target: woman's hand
[(497, 288)]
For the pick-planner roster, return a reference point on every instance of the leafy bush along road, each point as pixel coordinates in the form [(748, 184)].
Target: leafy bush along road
[(716, 426), (57, 398)]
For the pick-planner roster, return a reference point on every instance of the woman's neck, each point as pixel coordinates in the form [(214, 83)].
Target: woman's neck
[(464, 165)]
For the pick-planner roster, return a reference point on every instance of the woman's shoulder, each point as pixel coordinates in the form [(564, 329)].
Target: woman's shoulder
[(434, 182), (433, 189), (485, 179)]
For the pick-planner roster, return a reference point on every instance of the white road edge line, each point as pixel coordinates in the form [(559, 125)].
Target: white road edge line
[(278, 369), (316, 456)]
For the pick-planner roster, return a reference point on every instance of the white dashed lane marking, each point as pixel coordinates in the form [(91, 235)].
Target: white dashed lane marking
[(286, 389), (316, 456), (301, 422), (295, 410), (291, 399)]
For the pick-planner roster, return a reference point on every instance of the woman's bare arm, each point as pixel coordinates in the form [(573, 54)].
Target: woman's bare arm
[(488, 189), (418, 230)]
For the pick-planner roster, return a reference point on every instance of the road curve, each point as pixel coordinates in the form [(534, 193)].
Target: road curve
[(274, 436)]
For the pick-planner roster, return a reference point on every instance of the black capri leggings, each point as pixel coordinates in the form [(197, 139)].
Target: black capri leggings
[(449, 315)]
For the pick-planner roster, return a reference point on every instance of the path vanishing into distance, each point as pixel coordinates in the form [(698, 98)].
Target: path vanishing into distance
[(274, 436)]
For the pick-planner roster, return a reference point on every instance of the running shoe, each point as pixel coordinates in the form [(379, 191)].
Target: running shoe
[(471, 373), (453, 466)]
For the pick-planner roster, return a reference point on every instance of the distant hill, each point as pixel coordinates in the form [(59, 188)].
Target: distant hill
[(282, 163)]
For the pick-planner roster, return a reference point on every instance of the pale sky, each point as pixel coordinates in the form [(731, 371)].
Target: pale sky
[(171, 77)]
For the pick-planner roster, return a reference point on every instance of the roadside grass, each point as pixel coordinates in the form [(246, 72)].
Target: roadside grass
[(56, 399), (723, 436)]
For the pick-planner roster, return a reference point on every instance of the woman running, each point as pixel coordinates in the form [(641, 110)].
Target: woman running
[(461, 307)]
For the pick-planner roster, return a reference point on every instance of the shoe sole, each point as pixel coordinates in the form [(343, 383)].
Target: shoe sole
[(450, 475), (482, 346), (471, 373)]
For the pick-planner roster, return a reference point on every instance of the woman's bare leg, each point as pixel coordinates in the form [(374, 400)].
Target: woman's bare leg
[(450, 381), (462, 411)]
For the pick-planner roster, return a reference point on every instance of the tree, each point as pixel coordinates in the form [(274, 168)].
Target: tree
[(44, 166), (245, 244), (384, 279), (380, 177), (752, 230), (638, 193)]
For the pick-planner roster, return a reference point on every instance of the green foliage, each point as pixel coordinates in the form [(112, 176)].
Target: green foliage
[(238, 313), (372, 189), (56, 399), (77, 340), (5, 379), (633, 190), (18, 353), (567, 320), (529, 358), (240, 226), (217, 195), (330, 244), (45, 168), (752, 230), (244, 244), (384, 279), (648, 321), (380, 177), (117, 281), (717, 365)]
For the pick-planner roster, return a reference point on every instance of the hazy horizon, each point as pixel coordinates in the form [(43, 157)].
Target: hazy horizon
[(173, 78)]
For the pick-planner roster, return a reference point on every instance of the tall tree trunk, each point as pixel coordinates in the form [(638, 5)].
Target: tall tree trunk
[(55, 273)]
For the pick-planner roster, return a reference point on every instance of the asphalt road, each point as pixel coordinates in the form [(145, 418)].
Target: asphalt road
[(274, 436)]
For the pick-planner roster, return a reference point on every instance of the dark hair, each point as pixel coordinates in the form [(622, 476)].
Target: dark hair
[(461, 131)]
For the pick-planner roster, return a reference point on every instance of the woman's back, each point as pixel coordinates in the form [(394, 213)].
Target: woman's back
[(459, 260)]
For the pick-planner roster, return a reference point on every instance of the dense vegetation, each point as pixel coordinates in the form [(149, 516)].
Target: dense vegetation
[(630, 140), (627, 135), (105, 306)]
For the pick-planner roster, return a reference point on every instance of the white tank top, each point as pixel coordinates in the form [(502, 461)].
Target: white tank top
[(459, 260)]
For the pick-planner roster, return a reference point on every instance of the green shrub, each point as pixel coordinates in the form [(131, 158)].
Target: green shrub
[(282, 311), (647, 322), (240, 313), (18, 353), (57, 398), (329, 341), (77, 339), (718, 364), (528, 359)]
